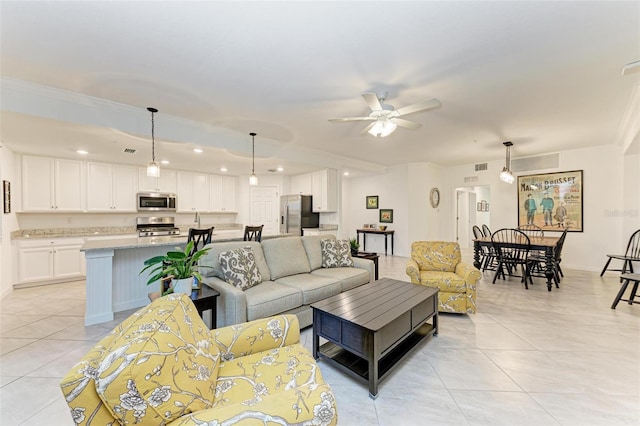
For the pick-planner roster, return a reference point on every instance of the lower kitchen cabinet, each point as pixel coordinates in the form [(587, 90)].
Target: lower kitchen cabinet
[(53, 260)]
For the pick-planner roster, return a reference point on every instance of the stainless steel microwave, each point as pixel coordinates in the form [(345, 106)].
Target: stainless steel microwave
[(156, 201)]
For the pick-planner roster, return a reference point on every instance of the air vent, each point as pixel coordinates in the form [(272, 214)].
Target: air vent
[(272, 170), (551, 161), (129, 150), (470, 179), (481, 166)]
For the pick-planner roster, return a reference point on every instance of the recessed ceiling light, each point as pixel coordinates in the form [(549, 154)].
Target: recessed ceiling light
[(223, 169), (280, 169), (197, 150), (346, 173), (164, 161), (82, 152)]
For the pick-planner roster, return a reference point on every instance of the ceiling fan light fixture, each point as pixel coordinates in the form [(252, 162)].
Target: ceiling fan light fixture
[(506, 175), (253, 179), (153, 168), (383, 127)]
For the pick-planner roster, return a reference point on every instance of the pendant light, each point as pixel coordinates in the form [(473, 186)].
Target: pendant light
[(253, 179), (153, 168), (505, 174)]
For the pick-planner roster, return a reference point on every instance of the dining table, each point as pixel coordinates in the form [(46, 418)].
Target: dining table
[(548, 245)]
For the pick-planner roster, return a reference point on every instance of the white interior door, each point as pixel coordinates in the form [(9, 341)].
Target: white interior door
[(462, 209), (265, 208)]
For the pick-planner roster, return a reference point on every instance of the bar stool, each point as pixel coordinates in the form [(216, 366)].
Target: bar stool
[(626, 279)]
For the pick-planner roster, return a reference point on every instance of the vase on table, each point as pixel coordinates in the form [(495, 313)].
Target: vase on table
[(184, 285)]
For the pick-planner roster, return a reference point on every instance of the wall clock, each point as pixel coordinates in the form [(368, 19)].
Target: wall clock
[(434, 197)]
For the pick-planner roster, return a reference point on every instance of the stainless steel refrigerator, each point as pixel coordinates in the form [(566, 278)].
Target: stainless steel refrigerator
[(296, 212)]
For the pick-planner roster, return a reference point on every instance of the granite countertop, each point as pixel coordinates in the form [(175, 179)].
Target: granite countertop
[(176, 240), (105, 231)]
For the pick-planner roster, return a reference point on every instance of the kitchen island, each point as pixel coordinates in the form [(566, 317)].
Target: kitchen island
[(114, 282)]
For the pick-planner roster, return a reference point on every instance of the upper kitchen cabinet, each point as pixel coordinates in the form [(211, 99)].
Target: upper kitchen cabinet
[(165, 183), (111, 187), (325, 190), (222, 190), (301, 184), (193, 192), (52, 185)]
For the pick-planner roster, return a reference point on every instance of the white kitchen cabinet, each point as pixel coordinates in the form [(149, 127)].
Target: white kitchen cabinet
[(54, 260), (167, 182), (192, 192), (222, 193), (325, 190), (111, 188), (301, 184), (319, 231), (52, 185)]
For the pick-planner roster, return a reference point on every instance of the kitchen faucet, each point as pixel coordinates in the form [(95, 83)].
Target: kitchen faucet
[(197, 219)]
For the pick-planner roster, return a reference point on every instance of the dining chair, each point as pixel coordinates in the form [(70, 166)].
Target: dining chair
[(253, 233), (532, 230), (486, 231), (538, 265), (487, 254), (631, 254), (512, 250), (200, 237), (626, 279)]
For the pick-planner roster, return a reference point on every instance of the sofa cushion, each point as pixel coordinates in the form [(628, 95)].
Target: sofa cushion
[(213, 264), (239, 268), (151, 372), (313, 287), (313, 248), (271, 298), (445, 281), (436, 255), (335, 253), (348, 277), (285, 256)]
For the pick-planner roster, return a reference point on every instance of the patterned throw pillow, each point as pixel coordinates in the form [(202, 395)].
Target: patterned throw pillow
[(239, 268), (336, 253)]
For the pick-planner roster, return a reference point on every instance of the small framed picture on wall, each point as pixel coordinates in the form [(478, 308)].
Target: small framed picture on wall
[(6, 192), (386, 215), (372, 201)]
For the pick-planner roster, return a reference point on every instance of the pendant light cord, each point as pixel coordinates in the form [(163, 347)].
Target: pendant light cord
[(253, 153), (153, 136)]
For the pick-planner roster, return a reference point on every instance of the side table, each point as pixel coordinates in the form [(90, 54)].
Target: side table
[(370, 256), (206, 298)]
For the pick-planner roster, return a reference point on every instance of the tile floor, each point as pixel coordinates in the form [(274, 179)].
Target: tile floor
[(526, 358)]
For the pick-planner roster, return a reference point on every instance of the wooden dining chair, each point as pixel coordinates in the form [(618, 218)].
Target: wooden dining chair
[(512, 248), (253, 233), (626, 280), (538, 264), (486, 231), (631, 254), (487, 254), (200, 237)]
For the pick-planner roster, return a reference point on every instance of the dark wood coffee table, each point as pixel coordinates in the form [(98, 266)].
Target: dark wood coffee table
[(372, 327)]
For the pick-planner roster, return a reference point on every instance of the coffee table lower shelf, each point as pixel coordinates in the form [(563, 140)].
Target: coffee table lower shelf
[(359, 367)]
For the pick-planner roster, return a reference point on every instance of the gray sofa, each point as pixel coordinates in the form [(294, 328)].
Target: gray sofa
[(292, 279)]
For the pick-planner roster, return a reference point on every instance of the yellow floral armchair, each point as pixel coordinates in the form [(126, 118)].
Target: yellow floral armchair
[(439, 264), (163, 366)]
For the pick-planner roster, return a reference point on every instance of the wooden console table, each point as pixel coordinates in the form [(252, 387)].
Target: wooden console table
[(378, 232)]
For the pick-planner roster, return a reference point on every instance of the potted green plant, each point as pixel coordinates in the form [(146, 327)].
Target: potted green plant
[(181, 266), (353, 242)]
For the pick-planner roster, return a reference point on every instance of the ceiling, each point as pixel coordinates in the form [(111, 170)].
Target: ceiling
[(545, 75)]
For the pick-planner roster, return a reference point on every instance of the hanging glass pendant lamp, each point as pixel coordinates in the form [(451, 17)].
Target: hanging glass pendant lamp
[(153, 168), (253, 179), (506, 175)]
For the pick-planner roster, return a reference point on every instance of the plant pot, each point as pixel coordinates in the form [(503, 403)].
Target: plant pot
[(184, 285), (354, 251)]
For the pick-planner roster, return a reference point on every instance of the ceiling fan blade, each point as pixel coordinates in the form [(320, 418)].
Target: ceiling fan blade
[(405, 123), (366, 129), (352, 119), (410, 109), (372, 100)]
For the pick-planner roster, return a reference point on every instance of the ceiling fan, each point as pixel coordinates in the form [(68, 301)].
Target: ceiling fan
[(386, 118)]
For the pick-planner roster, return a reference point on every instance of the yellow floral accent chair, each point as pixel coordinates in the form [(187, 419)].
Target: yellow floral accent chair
[(439, 264), (163, 366)]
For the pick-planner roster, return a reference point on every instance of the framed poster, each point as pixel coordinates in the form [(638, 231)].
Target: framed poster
[(552, 201), (386, 215), (372, 201), (6, 193)]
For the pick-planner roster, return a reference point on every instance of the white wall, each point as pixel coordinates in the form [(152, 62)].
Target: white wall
[(8, 221), (391, 189)]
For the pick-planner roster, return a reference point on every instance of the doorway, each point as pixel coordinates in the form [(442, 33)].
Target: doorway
[(472, 208), (265, 208)]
